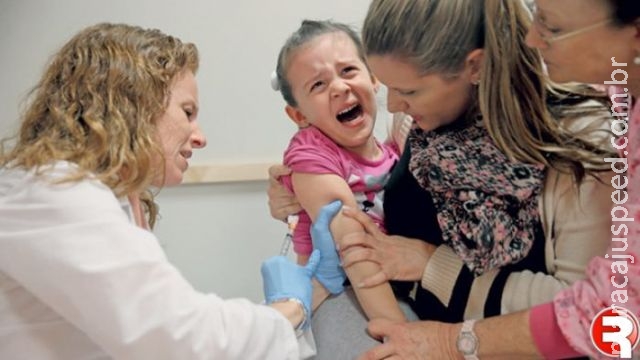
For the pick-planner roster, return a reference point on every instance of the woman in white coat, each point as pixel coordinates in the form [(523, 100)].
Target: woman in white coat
[(81, 275)]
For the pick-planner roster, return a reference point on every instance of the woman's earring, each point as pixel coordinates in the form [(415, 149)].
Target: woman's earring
[(475, 82), (636, 60)]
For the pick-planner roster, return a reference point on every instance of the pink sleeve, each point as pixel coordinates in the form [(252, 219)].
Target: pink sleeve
[(547, 334), (577, 305), (310, 151), (302, 244)]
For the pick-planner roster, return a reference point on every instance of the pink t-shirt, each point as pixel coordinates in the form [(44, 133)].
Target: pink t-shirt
[(576, 306), (311, 151)]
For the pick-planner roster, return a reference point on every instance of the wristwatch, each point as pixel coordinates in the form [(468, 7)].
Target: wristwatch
[(467, 341)]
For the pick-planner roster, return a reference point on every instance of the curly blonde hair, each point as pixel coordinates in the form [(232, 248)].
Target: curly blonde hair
[(96, 106)]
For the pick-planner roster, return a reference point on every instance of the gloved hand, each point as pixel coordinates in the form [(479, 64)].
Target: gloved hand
[(330, 273), (283, 279)]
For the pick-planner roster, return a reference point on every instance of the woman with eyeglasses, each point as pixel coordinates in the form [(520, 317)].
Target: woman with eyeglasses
[(606, 34), (591, 41)]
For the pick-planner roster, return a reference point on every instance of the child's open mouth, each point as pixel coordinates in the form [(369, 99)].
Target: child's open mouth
[(350, 114)]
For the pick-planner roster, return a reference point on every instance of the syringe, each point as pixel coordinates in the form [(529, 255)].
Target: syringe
[(292, 222)]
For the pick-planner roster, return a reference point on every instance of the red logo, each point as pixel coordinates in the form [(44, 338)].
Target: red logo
[(614, 332)]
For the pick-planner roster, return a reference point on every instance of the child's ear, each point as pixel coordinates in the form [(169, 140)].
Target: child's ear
[(296, 116)]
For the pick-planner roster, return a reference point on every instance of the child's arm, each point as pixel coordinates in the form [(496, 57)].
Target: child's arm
[(313, 192), (320, 293)]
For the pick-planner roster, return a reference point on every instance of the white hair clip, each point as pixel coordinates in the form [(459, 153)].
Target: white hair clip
[(275, 84)]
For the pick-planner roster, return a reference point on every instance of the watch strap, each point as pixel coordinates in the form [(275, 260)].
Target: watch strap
[(467, 342)]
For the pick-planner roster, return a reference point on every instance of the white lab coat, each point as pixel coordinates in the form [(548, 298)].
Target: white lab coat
[(79, 280)]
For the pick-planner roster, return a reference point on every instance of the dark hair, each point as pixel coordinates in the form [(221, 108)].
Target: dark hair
[(625, 12), (309, 30)]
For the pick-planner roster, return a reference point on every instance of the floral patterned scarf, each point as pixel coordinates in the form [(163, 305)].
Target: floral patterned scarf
[(487, 205)]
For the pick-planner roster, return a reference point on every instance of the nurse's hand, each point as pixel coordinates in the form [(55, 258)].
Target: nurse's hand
[(281, 201), (284, 280), (330, 273)]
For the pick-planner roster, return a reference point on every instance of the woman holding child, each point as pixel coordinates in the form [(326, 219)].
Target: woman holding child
[(501, 196)]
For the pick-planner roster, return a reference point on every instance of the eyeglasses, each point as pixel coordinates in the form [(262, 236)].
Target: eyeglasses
[(550, 36)]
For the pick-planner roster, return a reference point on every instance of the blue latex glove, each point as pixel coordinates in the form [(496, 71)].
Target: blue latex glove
[(330, 273), (283, 279)]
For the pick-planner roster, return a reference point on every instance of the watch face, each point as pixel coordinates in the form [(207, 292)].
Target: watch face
[(467, 343)]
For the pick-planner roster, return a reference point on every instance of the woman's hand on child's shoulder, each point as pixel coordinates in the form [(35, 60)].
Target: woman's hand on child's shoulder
[(281, 201)]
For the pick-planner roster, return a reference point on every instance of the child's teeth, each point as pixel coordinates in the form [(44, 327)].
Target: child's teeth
[(347, 110)]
